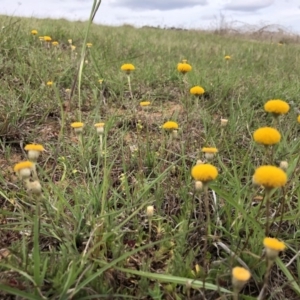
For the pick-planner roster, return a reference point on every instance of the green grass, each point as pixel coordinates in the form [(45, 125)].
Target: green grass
[(90, 239)]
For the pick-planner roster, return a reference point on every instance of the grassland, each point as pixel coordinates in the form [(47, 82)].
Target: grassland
[(88, 235)]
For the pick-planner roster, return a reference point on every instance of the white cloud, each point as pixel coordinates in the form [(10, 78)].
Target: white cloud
[(158, 4), (281, 12), (246, 5)]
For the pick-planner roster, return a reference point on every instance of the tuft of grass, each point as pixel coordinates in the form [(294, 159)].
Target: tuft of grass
[(89, 236)]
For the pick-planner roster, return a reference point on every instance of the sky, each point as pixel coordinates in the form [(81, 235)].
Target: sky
[(195, 14)]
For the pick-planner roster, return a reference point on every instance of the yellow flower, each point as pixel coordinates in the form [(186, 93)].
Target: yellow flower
[(34, 151), (70, 41), (240, 276), (100, 127), (267, 136), (184, 68), (273, 247), (100, 81), (77, 125), (227, 57), (34, 147), (298, 119), (47, 38), (34, 32), (89, 45), (277, 107), (23, 169), (274, 244), (170, 125), (55, 43), (23, 165), (197, 90), (49, 83), (269, 177), (73, 47), (127, 68), (204, 172), (209, 150), (145, 103)]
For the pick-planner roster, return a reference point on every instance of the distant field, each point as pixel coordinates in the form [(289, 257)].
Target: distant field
[(89, 233)]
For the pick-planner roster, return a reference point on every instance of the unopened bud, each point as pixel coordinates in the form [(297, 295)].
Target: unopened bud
[(150, 211)]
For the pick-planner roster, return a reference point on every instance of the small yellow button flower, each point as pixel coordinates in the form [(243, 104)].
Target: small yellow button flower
[(197, 90), (267, 136), (78, 126), (100, 127), (47, 38), (209, 152), (127, 68), (227, 57), (269, 177), (89, 45), (23, 169), (204, 172), (273, 247), (34, 151), (277, 107), (34, 32), (184, 68), (55, 43), (240, 276), (145, 103), (170, 125)]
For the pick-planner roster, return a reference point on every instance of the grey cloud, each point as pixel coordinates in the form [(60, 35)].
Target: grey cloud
[(159, 4), (252, 5)]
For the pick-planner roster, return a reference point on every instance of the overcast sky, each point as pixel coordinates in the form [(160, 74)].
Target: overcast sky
[(171, 13)]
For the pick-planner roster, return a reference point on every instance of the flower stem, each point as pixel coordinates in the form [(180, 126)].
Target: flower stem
[(267, 196), (129, 85)]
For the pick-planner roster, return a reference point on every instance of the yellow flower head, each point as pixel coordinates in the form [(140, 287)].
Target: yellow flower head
[(47, 38), (34, 147), (274, 244), (70, 41), (170, 125), (227, 57), (209, 150), (145, 103), (127, 68), (77, 125), (55, 43), (23, 165), (267, 136), (49, 83), (184, 67), (100, 81), (298, 119), (269, 177), (204, 172), (240, 274), (34, 32), (89, 45), (197, 90), (277, 107), (99, 125), (73, 47)]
